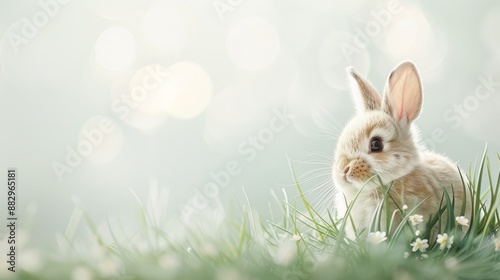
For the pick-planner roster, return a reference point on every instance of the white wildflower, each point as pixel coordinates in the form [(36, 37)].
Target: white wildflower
[(285, 253), (424, 256), (32, 261), (420, 244), (168, 262), (108, 267), (444, 241), (209, 249), (452, 264), (228, 274), (405, 207), (82, 273), (406, 255), (416, 219), (376, 237), (297, 237), (497, 244), (463, 221), (417, 233)]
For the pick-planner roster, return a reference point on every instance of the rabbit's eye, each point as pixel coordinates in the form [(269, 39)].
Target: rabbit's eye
[(376, 145)]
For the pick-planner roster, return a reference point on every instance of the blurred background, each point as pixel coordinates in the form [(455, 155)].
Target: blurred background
[(185, 104)]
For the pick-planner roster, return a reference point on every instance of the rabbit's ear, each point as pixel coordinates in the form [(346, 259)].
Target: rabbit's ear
[(403, 93), (366, 97)]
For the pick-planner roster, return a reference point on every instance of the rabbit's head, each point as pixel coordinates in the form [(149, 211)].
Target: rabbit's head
[(380, 140)]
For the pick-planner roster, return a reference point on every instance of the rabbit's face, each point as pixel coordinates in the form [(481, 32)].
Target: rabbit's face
[(373, 144), (378, 140)]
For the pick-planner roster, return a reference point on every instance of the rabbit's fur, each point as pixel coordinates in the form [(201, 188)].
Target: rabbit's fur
[(414, 174)]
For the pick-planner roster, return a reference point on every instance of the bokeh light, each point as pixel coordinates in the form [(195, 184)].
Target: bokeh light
[(152, 88), (82, 273), (100, 140), (144, 115), (115, 48), (31, 260), (192, 90), (410, 35), (253, 43), (402, 37)]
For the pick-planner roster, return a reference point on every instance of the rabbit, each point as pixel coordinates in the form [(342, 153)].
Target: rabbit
[(382, 140)]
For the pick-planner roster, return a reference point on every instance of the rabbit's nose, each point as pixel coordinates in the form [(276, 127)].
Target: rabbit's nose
[(346, 169)]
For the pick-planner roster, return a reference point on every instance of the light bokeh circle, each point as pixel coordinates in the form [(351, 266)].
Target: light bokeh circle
[(411, 36), (115, 49), (188, 92), (408, 34), (152, 88), (139, 114)]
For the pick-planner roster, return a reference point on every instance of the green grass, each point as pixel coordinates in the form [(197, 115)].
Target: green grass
[(297, 243)]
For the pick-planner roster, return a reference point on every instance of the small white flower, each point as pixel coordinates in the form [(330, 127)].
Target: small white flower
[(210, 249), (32, 261), (405, 207), (406, 255), (416, 219), (445, 241), (168, 262), (81, 273), (285, 253), (417, 233), (376, 237), (297, 237), (463, 221), (452, 264), (420, 244), (108, 267), (497, 244), (424, 256)]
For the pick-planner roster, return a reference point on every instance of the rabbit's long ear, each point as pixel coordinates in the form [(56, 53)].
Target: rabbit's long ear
[(403, 93), (366, 97)]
